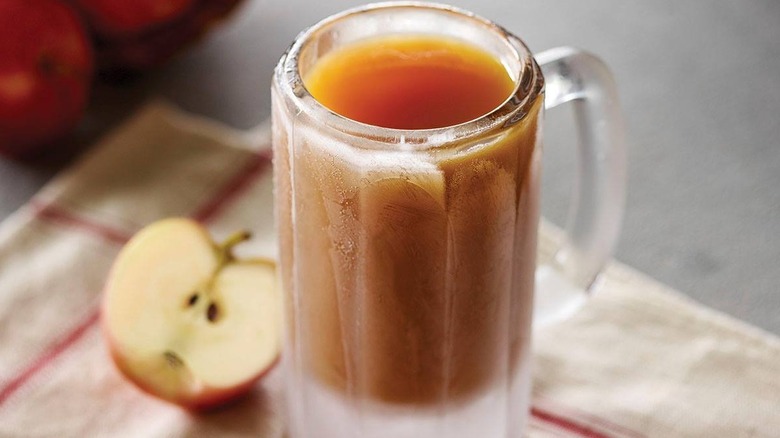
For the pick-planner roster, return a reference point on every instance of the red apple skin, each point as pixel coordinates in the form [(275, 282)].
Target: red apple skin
[(208, 398), (114, 19), (151, 49), (46, 70)]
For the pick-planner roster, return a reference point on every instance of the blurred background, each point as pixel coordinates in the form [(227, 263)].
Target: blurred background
[(699, 85)]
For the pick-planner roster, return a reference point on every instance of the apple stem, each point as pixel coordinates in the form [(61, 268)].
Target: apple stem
[(224, 257), (226, 248)]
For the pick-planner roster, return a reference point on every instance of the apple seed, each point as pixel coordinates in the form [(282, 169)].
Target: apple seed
[(173, 359), (193, 299), (212, 312)]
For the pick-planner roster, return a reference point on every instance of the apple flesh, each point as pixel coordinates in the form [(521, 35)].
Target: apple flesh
[(187, 321), (46, 69)]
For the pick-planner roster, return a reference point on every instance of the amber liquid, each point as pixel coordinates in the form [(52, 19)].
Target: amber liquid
[(409, 286), (410, 82)]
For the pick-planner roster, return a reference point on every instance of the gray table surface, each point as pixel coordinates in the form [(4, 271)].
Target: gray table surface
[(699, 83)]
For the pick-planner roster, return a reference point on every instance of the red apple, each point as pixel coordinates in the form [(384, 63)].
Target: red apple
[(187, 321), (122, 18), (46, 69), (134, 35)]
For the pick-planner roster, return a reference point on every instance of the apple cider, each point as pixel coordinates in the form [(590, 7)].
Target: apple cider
[(408, 269), (410, 82)]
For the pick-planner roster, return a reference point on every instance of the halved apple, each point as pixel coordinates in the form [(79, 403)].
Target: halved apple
[(187, 321)]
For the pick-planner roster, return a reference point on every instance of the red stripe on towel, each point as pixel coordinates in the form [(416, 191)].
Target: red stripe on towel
[(59, 215), (566, 424), (51, 353), (259, 164), (572, 412)]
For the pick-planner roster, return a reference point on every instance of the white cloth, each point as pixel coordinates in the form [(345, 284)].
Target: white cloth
[(639, 360)]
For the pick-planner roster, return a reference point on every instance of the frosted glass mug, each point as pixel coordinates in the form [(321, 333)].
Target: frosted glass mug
[(408, 257)]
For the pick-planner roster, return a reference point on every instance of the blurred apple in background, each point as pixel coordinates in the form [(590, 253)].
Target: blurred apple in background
[(123, 18), (140, 34), (46, 68), (47, 49)]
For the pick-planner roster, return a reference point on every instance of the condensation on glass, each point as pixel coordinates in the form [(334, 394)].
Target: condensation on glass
[(408, 257)]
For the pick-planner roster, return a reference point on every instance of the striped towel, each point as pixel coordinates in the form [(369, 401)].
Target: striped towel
[(639, 360)]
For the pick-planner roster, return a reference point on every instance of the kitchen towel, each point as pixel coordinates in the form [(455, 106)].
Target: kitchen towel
[(639, 360)]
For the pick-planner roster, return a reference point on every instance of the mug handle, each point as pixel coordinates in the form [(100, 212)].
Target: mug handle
[(598, 201)]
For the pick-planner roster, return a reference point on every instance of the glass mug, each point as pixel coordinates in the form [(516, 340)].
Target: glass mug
[(408, 257)]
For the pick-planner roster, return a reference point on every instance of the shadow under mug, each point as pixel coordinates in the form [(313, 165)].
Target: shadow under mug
[(408, 257)]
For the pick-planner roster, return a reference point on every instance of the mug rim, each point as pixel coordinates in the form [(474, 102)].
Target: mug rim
[(529, 86)]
